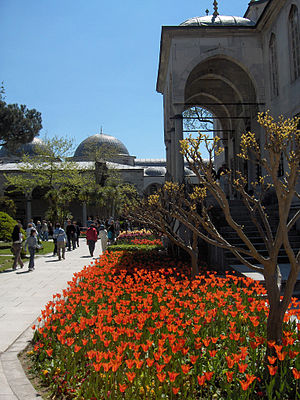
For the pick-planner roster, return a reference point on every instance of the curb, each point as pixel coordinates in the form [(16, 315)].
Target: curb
[(19, 387)]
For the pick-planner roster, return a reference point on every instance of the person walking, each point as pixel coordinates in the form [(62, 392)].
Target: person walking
[(111, 231), (103, 237), (17, 238), (77, 234), (70, 231), (32, 244), (28, 229), (60, 236), (91, 238), (38, 229), (44, 231)]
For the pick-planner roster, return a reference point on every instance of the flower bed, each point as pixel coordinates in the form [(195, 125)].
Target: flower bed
[(128, 237), (132, 326)]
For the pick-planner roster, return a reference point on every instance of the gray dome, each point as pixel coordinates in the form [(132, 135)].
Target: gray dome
[(95, 142), (220, 20), (29, 149), (188, 172), (155, 171)]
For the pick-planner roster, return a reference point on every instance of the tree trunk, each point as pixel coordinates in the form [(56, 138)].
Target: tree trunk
[(194, 262), (275, 317)]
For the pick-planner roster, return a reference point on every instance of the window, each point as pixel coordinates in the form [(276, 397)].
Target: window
[(294, 42), (273, 65)]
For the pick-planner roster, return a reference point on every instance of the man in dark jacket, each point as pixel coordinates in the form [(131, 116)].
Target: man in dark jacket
[(91, 238), (70, 231)]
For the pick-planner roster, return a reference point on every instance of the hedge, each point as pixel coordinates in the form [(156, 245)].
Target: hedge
[(7, 224)]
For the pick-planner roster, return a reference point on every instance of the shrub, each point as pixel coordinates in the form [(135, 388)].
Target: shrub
[(8, 204), (7, 224), (133, 247)]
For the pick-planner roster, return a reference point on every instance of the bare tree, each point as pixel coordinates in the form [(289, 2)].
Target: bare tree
[(173, 205), (282, 140), (164, 210)]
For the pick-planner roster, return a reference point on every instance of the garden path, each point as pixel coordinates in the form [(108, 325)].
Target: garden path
[(23, 295)]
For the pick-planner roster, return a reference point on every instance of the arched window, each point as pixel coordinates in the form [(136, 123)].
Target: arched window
[(273, 66), (294, 42)]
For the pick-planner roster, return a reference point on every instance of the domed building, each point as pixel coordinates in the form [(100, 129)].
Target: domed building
[(30, 149), (103, 146), (147, 175), (218, 20)]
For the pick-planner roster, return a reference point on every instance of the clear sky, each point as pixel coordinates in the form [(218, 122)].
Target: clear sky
[(90, 63)]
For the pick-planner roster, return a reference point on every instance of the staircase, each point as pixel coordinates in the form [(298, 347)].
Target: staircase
[(241, 216)]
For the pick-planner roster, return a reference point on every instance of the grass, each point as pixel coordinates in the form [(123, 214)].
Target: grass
[(6, 257)]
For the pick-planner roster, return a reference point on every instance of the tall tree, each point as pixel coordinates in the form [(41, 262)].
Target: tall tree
[(18, 124), (52, 170)]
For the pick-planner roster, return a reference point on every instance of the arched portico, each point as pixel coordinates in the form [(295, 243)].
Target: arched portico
[(223, 87)]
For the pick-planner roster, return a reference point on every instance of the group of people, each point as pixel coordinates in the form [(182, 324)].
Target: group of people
[(67, 237), (31, 243)]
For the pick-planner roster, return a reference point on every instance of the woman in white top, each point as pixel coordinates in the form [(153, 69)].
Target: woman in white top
[(32, 244), (103, 237)]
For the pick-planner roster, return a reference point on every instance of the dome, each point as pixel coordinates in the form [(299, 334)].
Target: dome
[(220, 20), (155, 171), (29, 149), (188, 172), (95, 142)]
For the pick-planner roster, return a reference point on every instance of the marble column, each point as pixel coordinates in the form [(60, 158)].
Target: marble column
[(179, 162), (84, 214), (28, 209)]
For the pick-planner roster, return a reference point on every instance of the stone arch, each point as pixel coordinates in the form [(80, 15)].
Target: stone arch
[(220, 54), (152, 188), (227, 90)]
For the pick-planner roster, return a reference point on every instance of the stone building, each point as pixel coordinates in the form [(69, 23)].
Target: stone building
[(233, 67), (147, 175)]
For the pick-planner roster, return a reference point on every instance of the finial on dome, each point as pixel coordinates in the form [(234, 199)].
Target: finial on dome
[(216, 12), (207, 11), (101, 130)]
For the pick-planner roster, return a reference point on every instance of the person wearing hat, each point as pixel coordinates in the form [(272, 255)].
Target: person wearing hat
[(32, 244), (103, 237)]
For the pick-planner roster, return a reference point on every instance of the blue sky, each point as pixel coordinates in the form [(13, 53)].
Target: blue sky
[(90, 63)]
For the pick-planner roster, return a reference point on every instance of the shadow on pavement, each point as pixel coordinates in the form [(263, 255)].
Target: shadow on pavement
[(85, 256), (7, 270), (23, 272), (52, 260)]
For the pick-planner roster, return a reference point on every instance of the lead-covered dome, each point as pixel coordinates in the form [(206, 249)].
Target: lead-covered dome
[(94, 143), (30, 149), (155, 171), (219, 20)]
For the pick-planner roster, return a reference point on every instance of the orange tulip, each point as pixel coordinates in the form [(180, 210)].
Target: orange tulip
[(201, 380), (272, 370), (175, 390), (296, 373), (161, 377), (172, 376), (122, 388), (130, 376)]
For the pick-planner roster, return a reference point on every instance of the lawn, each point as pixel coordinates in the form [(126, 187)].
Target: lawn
[(134, 326), (6, 257)]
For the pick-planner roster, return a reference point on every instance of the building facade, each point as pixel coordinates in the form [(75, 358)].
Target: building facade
[(147, 175), (234, 67)]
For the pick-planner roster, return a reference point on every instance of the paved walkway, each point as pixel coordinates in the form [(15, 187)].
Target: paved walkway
[(23, 296)]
